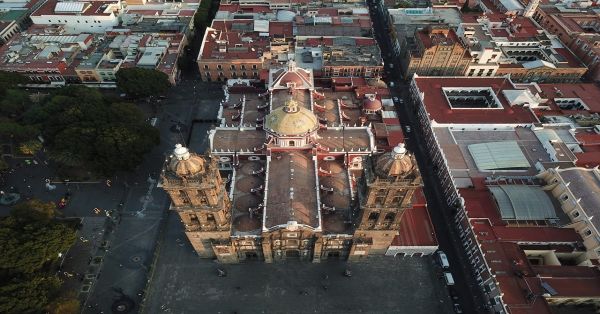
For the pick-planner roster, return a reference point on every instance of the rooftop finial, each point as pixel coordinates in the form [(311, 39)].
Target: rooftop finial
[(181, 153), (291, 106), (399, 151)]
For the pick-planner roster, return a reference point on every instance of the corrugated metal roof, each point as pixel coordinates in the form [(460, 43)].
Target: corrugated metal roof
[(506, 155), (523, 202), (69, 7)]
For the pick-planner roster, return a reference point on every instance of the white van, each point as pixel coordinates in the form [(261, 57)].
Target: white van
[(449, 279), (443, 259)]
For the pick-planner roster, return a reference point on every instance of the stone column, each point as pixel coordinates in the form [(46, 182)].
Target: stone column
[(389, 197), (380, 219), (317, 250), (398, 217), (266, 248), (407, 200), (372, 195)]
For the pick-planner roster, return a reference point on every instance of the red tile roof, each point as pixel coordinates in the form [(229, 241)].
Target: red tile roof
[(439, 109), (588, 92), (415, 227), (588, 159), (537, 234)]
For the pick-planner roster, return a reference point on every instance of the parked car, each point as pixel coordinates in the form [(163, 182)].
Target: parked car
[(408, 129), (396, 99), (449, 279), (443, 259)]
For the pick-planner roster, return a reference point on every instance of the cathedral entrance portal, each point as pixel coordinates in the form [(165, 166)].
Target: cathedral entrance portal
[(333, 255), (289, 254)]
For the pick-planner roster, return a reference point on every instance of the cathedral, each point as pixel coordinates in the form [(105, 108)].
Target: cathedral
[(294, 172)]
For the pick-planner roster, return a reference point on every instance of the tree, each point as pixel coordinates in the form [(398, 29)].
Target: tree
[(140, 82), (30, 251), (30, 147), (74, 117), (34, 211), (16, 131), (27, 295), (30, 241), (65, 306), (14, 102), (9, 80)]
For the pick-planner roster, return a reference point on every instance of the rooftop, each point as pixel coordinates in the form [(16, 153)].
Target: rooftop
[(291, 191), (439, 109), (54, 7), (416, 228)]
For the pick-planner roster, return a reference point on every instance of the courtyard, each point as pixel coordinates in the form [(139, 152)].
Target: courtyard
[(183, 283)]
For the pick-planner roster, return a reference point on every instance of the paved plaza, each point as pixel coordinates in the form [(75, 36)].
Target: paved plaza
[(184, 283)]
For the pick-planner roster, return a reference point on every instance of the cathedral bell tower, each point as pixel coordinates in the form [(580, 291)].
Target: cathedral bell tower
[(385, 191), (198, 195)]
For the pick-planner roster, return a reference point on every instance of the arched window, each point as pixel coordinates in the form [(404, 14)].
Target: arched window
[(390, 216), (373, 216)]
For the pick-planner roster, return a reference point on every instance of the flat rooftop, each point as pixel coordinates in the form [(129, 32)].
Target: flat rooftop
[(437, 105), (346, 139), (455, 142), (236, 140)]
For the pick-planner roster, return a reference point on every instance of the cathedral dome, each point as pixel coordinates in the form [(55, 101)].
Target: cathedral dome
[(291, 120), (395, 163), (185, 164), (371, 103)]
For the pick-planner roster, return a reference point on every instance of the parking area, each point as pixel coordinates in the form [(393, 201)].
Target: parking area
[(184, 283)]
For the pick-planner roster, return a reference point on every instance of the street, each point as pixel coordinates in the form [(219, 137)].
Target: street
[(470, 296)]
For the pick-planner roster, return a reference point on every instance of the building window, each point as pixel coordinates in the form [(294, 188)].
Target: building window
[(390, 217), (373, 216), (243, 66), (219, 66), (254, 67), (233, 67), (206, 67), (564, 197), (210, 218), (575, 214), (587, 233)]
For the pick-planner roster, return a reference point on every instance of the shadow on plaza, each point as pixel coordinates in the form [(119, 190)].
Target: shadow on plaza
[(184, 283)]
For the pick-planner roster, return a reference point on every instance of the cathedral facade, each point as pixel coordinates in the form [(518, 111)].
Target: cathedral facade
[(292, 174)]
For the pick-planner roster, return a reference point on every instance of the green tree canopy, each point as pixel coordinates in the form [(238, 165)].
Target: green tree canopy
[(75, 117), (9, 80), (140, 82), (34, 211), (27, 247), (30, 242), (14, 102), (30, 295)]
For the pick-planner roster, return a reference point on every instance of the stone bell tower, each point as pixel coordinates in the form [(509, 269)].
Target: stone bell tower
[(385, 191), (198, 195)]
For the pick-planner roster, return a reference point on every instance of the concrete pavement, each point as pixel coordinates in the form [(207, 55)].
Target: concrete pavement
[(183, 283)]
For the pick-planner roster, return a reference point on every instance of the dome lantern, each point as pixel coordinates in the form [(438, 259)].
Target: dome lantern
[(185, 164)]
